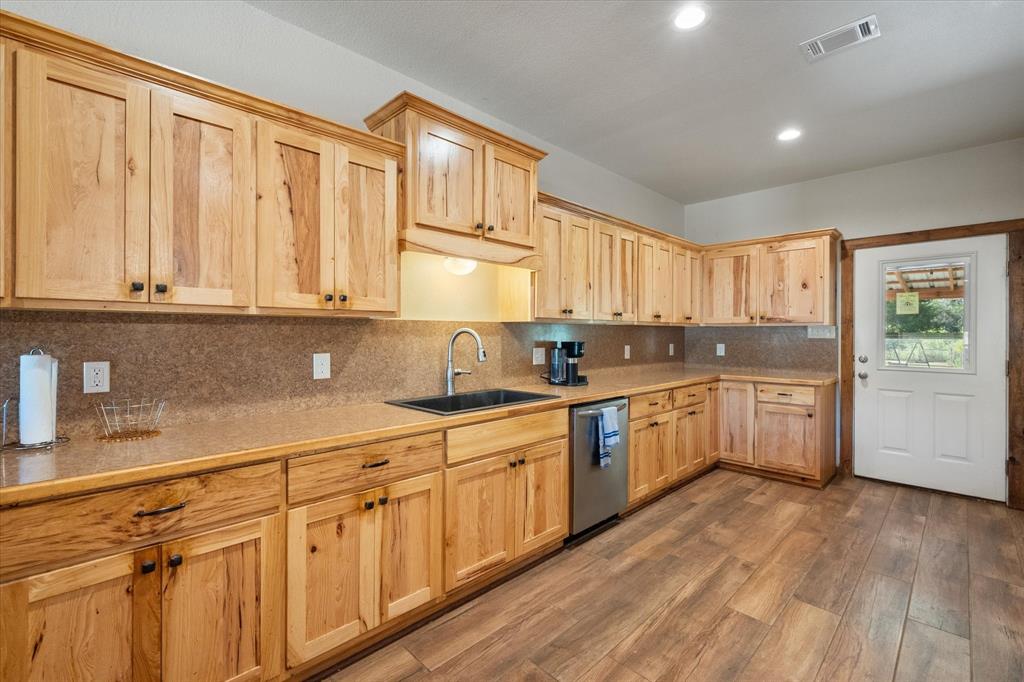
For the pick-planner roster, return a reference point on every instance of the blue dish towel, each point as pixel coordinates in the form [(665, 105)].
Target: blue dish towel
[(607, 435)]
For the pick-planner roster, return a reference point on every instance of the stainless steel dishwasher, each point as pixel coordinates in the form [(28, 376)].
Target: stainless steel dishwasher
[(597, 494)]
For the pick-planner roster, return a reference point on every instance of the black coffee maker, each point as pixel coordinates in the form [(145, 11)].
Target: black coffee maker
[(565, 368)]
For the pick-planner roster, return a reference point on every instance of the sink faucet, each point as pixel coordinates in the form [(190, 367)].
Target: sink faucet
[(451, 372)]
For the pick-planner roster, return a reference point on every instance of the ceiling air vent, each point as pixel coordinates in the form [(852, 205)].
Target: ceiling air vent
[(852, 34)]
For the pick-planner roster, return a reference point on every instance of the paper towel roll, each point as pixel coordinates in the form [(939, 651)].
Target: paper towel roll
[(37, 402)]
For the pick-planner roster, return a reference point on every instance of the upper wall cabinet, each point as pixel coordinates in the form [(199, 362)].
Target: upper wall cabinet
[(564, 286), (82, 169), (203, 210), (654, 280), (730, 276), (470, 191), (797, 281), (614, 273), (686, 285)]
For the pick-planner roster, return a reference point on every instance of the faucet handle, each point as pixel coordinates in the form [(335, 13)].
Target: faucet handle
[(460, 372)]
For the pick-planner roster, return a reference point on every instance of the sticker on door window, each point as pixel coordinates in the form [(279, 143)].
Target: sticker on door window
[(927, 314)]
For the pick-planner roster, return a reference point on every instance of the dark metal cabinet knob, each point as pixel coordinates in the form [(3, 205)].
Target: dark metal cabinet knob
[(383, 499), (328, 297), (522, 460), (342, 297), (479, 226), (569, 311), (513, 464), (175, 560), (161, 288), (368, 504), (490, 228), (148, 566), (138, 286)]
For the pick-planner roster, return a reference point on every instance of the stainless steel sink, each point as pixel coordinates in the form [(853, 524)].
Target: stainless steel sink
[(470, 402)]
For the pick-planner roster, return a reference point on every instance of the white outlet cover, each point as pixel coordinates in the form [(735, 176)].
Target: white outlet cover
[(627, 351), (538, 356), (96, 377), (821, 332), (671, 349), (321, 365), (719, 349)]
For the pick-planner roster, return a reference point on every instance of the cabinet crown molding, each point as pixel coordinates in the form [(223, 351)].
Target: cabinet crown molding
[(406, 100), (45, 38)]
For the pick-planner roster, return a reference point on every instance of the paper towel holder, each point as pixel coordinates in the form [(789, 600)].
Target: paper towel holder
[(14, 445)]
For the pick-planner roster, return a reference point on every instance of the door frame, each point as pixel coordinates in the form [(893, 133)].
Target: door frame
[(1014, 229)]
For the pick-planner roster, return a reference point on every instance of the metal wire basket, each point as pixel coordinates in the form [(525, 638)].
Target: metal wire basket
[(129, 419)]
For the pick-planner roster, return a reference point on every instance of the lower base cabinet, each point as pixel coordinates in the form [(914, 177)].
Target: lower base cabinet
[(651, 465), (736, 422), (691, 440), (503, 507), (357, 561), (786, 439)]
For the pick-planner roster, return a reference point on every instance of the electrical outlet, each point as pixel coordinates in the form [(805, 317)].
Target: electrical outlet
[(321, 365), (720, 349), (538, 356), (95, 377), (627, 351), (671, 349), (819, 332)]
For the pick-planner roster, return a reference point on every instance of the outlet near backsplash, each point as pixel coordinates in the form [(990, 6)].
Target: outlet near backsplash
[(216, 366)]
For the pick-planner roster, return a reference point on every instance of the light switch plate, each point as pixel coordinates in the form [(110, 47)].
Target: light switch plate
[(321, 365), (96, 377), (627, 351), (821, 332), (720, 349), (538, 356), (671, 349)]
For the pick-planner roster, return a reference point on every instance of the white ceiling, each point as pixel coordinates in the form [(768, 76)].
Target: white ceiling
[(693, 115)]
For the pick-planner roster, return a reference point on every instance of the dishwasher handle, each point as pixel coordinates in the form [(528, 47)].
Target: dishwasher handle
[(596, 413)]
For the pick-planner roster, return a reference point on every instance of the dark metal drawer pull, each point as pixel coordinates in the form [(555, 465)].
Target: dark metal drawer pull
[(374, 465), (148, 566), (382, 499), (654, 404), (161, 510), (787, 395)]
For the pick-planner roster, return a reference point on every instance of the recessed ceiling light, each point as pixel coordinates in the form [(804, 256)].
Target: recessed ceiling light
[(788, 134), (689, 17)]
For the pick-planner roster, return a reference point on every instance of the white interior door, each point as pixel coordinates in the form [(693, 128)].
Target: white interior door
[(930, 404)]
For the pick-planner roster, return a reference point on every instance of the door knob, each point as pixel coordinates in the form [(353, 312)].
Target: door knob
[(862, 375), (862, 358)]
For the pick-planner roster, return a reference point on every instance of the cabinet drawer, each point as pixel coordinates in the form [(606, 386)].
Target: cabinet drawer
[(361, 467), (689, 395), (59, 532), (467, 442), (650, 403), (788, 395)]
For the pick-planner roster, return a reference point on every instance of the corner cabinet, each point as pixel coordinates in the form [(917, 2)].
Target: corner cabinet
[(469, 191), (730, 285)]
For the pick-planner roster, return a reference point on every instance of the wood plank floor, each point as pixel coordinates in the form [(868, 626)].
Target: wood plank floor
[(738, 578)]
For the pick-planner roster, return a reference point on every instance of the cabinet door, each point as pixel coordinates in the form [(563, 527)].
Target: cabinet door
[(511, 192), (202, 220), (542, 495), (295, 218), (787, 438), (663, 282), (736, 402), (479, 518), (366, 246), (627, 276), (579, 268), (550, 279), (641, 442), (646, 266), (697, 436), (98, 620), (792, 281), (713, 422), (411, 544), (449, 181), (82, 171), (332, 574), (685, 285), (607, 288), (680, 452), (222, 594), (729, 280), (662, 445)]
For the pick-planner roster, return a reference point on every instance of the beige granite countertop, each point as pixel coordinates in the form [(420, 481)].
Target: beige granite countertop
[(85, 465)]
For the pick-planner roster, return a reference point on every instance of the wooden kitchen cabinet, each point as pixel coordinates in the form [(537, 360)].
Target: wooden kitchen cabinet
[(736, 404), (82, 182), (564, 286), (203, 202), (714, 421), (222, 608), (730, 293), (510, 196), (686, 285), (449, 181), (654, 280), (786, 439), (651, 464), (614, 273), (690, 453), (542, 496), (796, 282)]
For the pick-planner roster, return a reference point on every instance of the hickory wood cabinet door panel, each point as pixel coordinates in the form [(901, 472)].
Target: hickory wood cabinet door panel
[(549, 281), (614, 273), (691, 440), (787, 439), (221, 605), (792, 275), (686, 285), (542, 496), (97, 620), (663, 282), (579, 269), (736, 405), (713, 422), (295, 218), (654, 280), (479, 518), (449, 182), (203, 210), (511, 185), (366, 247), (82, 182), (730, 276), (651, 463)]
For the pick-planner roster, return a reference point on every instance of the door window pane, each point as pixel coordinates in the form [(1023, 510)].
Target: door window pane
[(926, 315)]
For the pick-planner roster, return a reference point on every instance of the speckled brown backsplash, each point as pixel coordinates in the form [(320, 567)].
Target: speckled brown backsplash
[(762, 347), (212, 366)]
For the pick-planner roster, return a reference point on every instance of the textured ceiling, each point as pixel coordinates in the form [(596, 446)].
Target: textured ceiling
[(693, 115)]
